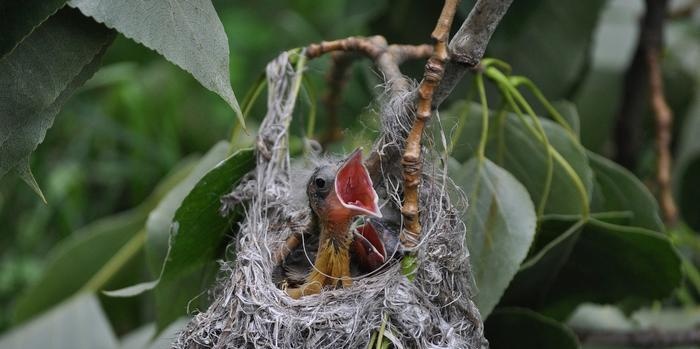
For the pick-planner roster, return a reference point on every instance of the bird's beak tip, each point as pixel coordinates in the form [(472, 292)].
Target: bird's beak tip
[(354, 187)]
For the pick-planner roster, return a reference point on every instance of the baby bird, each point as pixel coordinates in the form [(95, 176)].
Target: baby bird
[(337, 193), (375, 242)]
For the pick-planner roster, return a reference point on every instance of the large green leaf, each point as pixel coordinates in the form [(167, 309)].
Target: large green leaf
[(186, 32), (595, 261), (546, 43), (75, 262), (198, 224), (197, 232), (161, 218), (513, 147), (617, 189), (687, 170), (19, 18), (78, 323), (521, 328), (501, 220), (38, 77)]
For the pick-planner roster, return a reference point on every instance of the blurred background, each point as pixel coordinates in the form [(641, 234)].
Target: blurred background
[(140, 116)]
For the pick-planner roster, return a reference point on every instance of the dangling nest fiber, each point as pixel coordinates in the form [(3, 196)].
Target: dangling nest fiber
[(248, 310)]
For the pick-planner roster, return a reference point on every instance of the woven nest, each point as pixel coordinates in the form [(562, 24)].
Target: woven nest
[(434, 310)]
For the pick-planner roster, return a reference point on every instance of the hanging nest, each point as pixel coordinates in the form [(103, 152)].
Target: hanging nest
[(434, 310)]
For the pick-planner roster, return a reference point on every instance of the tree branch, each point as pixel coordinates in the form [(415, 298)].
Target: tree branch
[(336, 80), (411, 160), (469, 43), (636, 85), (664, 122), (646, 338)]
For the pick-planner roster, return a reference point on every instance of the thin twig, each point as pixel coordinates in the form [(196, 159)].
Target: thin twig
[(411, 161), (386, 58), (469, 43), (336, 79), (645, 338), (664, 122)]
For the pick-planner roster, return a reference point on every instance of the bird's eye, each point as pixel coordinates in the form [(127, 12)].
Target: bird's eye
[(320, 183)]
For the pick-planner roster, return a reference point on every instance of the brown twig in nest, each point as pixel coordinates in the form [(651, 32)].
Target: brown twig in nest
[(664, 122), (411, 160), (386, 57)]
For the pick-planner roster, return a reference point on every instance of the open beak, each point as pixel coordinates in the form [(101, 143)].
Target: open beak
[(354, 186), (368, 247)]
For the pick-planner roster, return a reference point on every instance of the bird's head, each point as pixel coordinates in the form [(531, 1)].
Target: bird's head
[(338, 192)]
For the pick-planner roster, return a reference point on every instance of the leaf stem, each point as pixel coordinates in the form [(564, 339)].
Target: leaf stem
[(311, 95), (117, 262), (521, 80), (481, 152)]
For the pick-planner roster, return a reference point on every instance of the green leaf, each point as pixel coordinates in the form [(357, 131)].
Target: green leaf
[(687, 170), (545, 43), (514, 148), (38, 77), (196, 232), (19, 18), (525, 329), (161, 218), (501, 220), (142, 338), (617, 189), (570, 113), (75, 261), (78, 323), (199, 231), (185, 32), (633, 264)]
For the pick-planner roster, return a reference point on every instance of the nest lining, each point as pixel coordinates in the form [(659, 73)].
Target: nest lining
[(434, 310)]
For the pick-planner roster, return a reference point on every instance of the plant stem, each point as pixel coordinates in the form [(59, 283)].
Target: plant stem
[(117, 262), (481, 152)]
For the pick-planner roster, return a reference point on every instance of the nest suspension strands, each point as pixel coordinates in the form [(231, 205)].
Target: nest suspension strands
[(249, 310)]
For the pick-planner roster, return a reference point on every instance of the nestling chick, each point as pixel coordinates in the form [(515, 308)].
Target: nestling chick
[(337, 193)]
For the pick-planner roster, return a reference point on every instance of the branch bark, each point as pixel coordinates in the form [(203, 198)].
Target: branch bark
[(664, 123), (411, 160), (636, 85), (469, 43)]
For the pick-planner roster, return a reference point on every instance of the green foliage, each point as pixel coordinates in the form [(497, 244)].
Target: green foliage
[(65, 328), (187, 230), (526, 329), (687, 171), (545, 44), (501, 223), (571, 267), (71, 47), (187, 33), (551, 225), (21, 17), (160, 219), (616, 189), (76, 262)]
